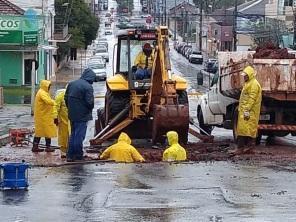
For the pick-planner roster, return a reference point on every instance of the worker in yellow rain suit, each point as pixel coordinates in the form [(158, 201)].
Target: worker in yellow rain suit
[(248, 111), (175, 152), (122, 151), (44, 117), (61, 119), (143, 62)]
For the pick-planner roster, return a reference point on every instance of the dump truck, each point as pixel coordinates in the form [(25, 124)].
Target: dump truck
[(143, 108), (277, 77)]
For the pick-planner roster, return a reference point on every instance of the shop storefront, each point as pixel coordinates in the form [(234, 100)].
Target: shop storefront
[(19, 40)]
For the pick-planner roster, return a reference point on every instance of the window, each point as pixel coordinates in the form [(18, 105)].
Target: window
[(135, 47), (215, 32), (288, 3)]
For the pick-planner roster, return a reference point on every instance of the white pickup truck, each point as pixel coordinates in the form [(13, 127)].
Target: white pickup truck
[(218, 107)]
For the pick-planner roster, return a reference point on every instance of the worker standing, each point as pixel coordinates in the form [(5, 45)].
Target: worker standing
[(122, 151), (144, 62), (175, 152), (44, 117), (79, 99), (248, 111), (62, 122)]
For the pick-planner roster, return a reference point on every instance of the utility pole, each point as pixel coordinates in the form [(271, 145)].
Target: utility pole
[(175, 31), (235, 27), (200, 25), (33, 81), (165, 12)]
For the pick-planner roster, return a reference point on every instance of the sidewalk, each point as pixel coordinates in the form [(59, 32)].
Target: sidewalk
[(72, 69)]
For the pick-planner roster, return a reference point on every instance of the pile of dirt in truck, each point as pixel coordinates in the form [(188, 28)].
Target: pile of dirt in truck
[(270, 51)]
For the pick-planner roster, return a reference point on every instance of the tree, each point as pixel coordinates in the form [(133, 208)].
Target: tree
[(270, 31), (83, 25)]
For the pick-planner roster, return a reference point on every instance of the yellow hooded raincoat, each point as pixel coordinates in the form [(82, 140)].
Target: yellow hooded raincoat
[(175, 152), (44, 112), (250, 101), (122, 151), (61, 113)]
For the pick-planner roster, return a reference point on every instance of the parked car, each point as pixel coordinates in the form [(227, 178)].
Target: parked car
[(108, 14), (96, 59), (196, 57), (108, 32), (100, 43), (184, 48), (107, 24), (99, 69), (211, 65), (188, 52), (102, 51), (180, 46)]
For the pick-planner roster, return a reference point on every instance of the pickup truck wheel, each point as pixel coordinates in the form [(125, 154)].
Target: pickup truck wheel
[(203, 126)]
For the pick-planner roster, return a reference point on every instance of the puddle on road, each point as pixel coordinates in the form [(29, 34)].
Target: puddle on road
[(126, 181), (12, 99)]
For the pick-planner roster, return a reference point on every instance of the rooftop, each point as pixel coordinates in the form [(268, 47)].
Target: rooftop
[(7, 8)]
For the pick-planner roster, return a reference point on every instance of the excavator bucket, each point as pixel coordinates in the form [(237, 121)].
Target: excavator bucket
[(170, 117)]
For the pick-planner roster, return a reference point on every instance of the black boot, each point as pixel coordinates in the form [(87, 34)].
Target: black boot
[(49, 149), (36, 148)]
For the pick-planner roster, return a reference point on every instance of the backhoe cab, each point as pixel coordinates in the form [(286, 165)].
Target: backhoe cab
[(143, 108)]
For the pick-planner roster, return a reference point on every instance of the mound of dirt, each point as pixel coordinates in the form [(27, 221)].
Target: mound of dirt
[(270, 51)]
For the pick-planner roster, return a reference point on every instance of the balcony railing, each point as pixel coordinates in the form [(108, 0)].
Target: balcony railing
[(60, 31)]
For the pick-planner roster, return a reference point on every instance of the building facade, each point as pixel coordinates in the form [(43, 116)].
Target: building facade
[(20, 35)]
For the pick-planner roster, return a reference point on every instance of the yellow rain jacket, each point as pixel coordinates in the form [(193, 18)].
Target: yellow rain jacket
[(175, 152), (250, 102), (44, 112), (61, 112), (140, 60), (122, 151)]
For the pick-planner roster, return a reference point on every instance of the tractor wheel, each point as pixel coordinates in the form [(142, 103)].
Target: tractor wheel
[(115, 102), (182, 97)]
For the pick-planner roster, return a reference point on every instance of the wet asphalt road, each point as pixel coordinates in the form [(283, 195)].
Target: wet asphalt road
[(215, 192)]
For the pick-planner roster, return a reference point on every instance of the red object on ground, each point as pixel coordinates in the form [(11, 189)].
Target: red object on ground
[(18, 136)]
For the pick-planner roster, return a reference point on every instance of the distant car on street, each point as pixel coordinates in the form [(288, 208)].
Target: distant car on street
[(108, 32), (211, 65), (102, 51), (196, 57), (99, 69)]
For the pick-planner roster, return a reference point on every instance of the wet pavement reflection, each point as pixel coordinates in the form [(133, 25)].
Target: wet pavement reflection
[(154, 192)]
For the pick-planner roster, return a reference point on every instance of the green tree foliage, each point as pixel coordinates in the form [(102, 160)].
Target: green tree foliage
[(83, 25), (270, 31)]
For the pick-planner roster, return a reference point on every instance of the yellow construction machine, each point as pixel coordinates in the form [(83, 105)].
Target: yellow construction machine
[(146, 108)]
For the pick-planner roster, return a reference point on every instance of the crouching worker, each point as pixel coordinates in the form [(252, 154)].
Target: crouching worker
[(63, 123), (44, 118), (122, 151), (175, 152)]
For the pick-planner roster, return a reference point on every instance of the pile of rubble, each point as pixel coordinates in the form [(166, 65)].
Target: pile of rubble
[(270, 51)]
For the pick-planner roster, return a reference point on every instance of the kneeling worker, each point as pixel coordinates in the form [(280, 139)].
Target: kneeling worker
[(175, 152), (122, 151)]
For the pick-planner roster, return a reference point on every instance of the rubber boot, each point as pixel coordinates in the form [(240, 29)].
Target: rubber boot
[(49, 149), (36, 148)]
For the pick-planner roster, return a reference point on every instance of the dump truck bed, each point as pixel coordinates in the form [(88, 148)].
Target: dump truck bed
[(276, 76)]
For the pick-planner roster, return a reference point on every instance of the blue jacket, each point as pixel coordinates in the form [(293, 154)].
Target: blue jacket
[(79, 97)]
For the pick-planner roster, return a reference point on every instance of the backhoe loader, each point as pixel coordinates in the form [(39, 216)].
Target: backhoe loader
[(145, 108)]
